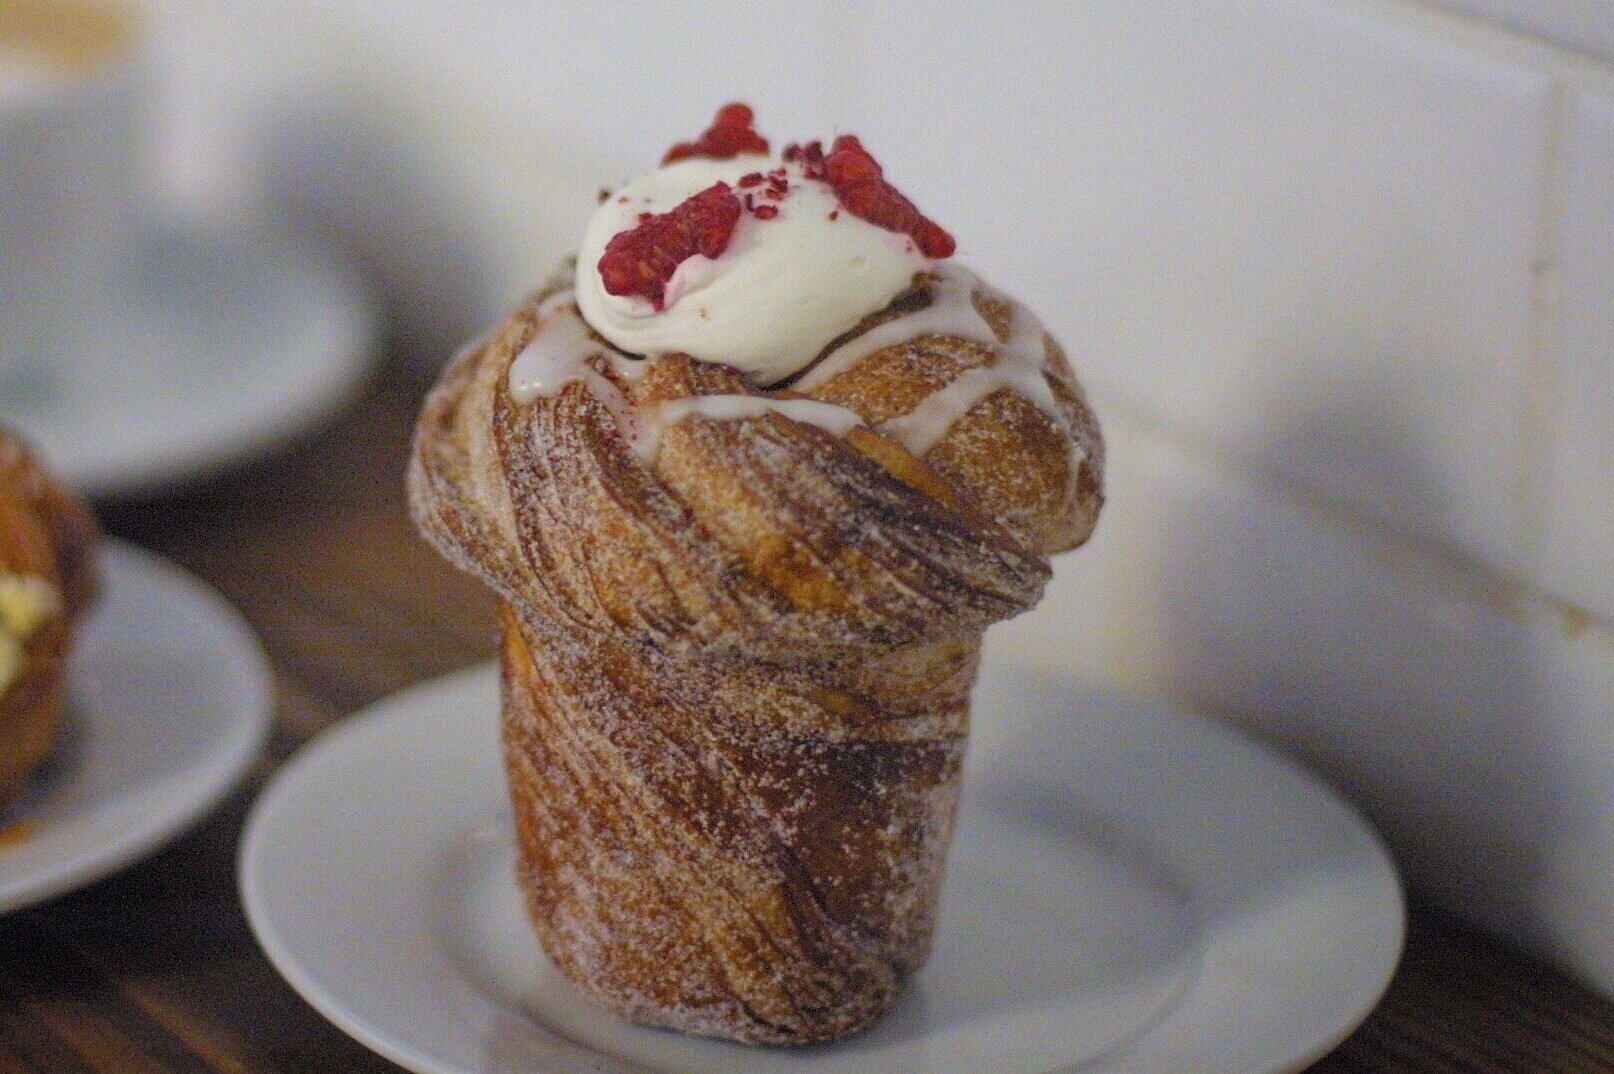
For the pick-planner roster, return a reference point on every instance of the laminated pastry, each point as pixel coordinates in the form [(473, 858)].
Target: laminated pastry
[(751, 478), (47, 541)]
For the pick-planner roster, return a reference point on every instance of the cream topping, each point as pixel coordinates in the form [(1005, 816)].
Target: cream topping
[(782, 290)]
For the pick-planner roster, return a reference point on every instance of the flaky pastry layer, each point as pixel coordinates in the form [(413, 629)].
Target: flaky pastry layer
[(737, 673)]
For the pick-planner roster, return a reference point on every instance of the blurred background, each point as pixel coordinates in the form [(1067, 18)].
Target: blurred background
[(1340, 276)]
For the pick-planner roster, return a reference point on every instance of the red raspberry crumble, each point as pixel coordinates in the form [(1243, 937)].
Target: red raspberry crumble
[(809, 156), (731, 133), (642, 260), (860, 184)]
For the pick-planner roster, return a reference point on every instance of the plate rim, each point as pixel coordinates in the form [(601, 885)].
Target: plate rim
[(154, 828), (403, 704), (303, 983)]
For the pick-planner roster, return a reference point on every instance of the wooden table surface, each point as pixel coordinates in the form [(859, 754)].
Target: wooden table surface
[(154, 970)]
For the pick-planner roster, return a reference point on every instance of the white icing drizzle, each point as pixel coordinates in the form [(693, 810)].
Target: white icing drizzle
[(923, 427), (564, 352), (836, 420), (827, 416), (561, 353), (952, 312)]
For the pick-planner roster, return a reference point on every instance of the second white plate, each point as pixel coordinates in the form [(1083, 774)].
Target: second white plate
[(169, 700), (1131, 890)]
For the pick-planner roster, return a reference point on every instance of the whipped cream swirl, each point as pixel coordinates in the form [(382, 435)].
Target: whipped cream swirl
[(783, 289)]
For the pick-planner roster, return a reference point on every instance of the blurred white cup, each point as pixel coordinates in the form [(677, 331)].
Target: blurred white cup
[(73, 106)]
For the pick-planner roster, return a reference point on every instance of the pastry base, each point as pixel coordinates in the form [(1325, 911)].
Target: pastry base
[(730, 849)]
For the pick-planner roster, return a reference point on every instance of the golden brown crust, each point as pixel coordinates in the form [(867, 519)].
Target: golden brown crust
[(737, 675), (732, 850), (45, 533), (1003, 456)]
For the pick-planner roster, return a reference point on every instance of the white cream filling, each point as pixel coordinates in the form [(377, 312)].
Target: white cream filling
[(26, 601)]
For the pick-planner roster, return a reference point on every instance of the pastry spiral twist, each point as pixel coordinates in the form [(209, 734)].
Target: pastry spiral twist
[(740, 629)]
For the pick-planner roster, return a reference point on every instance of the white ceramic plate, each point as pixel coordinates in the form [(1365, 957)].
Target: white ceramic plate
[(225, 344), (1131, 890), (169, 700)]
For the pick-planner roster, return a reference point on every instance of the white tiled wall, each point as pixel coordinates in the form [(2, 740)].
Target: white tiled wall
[(1341, 273), (1469, 719), (1293, 229), (1578, 561)]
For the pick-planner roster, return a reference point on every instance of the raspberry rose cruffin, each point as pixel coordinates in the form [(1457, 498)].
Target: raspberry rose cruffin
[(751, 479)]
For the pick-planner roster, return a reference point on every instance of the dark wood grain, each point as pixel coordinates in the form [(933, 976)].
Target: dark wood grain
[(154, 970)]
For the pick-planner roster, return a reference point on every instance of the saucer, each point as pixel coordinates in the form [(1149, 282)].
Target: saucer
[(169, 700), (225, 344), (1130, 889)]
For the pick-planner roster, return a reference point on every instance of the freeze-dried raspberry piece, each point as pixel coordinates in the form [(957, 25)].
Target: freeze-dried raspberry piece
[(809, 156), (641, 261), (730, 134), (858, 181)]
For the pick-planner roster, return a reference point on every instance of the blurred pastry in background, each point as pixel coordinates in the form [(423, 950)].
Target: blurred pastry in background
[(47, 577)]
